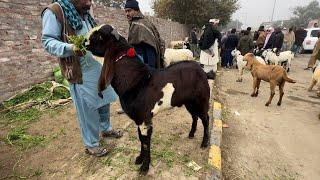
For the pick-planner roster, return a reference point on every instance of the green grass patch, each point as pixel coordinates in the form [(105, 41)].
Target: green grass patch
[(19, 137), (27, 115)]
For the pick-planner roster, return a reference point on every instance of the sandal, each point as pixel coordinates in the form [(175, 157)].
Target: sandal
[(112, 133), (96, 151)]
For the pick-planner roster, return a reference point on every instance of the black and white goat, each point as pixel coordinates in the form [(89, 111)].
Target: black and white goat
[(144, 92)]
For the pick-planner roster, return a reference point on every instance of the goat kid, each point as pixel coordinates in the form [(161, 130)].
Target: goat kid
[(275, 75), (241, 64), (284, 58), (144, 92)]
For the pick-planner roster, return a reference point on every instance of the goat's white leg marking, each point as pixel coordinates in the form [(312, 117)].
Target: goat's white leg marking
[(165, 101), (144, 129)]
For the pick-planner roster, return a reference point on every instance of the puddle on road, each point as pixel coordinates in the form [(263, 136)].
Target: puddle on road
[(235, 92), (294, 98)]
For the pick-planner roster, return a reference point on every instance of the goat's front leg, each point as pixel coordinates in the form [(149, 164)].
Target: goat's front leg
[(254, 86), (258, 86), (145, 132), (240, 74)]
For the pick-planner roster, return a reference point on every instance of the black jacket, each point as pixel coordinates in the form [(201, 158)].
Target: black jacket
[(278, 40), (193, 37), (232, 42), (208, 37), (300, 35), (271, 41)]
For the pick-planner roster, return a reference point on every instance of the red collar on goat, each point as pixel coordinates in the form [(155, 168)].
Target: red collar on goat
[(130, 53)]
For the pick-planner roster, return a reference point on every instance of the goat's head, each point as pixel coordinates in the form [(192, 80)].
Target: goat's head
[(105, 41), (249, 57), (264, 53), (100, 38)]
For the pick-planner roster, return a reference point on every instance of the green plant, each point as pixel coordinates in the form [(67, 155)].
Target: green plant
[(78, 41)]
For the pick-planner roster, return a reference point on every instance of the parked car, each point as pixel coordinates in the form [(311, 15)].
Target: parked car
[(311, 39)]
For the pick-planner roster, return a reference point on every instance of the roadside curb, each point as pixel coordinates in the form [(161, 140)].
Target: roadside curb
[(214, 159)]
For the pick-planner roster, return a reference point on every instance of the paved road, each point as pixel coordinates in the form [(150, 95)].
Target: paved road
[(270, 142)]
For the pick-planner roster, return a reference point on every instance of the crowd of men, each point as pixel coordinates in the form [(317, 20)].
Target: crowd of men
[(279, 39)]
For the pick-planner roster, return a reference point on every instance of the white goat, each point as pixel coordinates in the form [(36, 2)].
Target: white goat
[(176, 55), (241, 63), (284, 57)]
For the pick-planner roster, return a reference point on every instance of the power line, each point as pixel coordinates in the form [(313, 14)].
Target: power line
[(274, 5)]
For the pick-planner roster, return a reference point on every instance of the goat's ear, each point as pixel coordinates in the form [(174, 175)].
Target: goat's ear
[(106, 30), (115, 33)]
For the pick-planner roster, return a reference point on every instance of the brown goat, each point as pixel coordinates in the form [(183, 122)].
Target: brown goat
[(144, 92), (275, 75)]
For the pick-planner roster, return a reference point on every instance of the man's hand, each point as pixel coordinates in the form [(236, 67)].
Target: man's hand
[(77, 51)]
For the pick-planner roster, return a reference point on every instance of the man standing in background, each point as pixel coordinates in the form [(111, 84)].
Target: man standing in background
[(144, 36), (194, 42), (209, 55)]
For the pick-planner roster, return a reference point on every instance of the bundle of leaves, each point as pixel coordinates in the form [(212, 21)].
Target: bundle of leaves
[(35, 93), (78, 41)]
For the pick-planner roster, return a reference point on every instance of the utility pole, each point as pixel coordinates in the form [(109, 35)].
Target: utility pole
[(274, 5)]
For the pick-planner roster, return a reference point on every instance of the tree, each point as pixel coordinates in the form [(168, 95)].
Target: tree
[(195, 12), (303, 14), (112, 3)]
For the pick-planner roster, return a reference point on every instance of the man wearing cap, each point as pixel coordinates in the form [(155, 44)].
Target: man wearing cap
[(144, 36), (209, 56)]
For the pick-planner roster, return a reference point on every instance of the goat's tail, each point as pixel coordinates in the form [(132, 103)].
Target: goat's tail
[(286, 78), (211, 75)]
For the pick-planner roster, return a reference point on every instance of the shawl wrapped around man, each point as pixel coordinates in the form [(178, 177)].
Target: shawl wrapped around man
[(143, 31)]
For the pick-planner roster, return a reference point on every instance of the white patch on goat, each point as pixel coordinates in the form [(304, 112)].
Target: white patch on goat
[(165, 101), (144, 129)]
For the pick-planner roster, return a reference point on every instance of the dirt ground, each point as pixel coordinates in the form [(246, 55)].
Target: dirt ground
[(62, 155), (270, 142)]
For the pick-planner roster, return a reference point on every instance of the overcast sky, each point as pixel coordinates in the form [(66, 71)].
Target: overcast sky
[(253, 12)]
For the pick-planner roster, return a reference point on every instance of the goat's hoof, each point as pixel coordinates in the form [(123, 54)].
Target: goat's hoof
[(279, 104), (191, 136), (144, 170), (252, 95), (204, 145), (139, 160), (267, 104)]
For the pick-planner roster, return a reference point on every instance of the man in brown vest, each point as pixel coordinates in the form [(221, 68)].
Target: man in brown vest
[(60, 20)]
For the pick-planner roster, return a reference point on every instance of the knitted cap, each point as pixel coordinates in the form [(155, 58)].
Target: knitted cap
[(132, 4)]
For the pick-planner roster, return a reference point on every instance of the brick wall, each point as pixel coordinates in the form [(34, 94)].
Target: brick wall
[(23, 62)]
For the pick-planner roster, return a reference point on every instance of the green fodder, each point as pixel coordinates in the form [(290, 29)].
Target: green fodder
[(78, 41), (36, 93), (60, 93)]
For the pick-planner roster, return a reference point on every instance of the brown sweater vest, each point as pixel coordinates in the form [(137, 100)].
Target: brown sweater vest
[(70, 66)]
